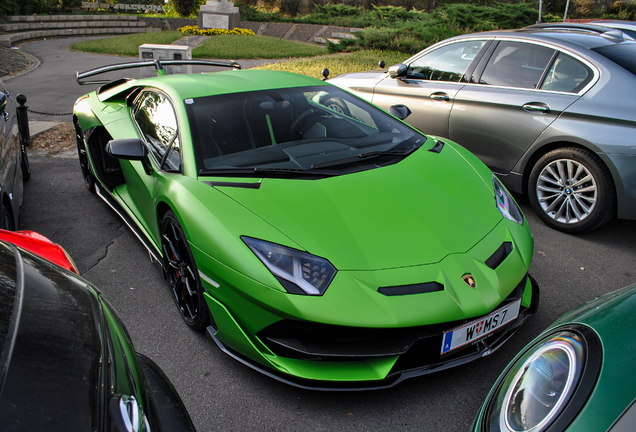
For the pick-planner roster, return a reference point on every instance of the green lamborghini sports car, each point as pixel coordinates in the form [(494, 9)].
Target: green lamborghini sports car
[(317, 239)]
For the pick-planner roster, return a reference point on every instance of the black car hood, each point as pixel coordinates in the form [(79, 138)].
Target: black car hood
[(51, 346)]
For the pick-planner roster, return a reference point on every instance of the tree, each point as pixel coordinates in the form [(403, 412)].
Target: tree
[(183, 7)]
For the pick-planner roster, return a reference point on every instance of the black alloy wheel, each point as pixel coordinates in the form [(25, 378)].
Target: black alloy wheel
[(571, 190), (182, 273), (89, 179)]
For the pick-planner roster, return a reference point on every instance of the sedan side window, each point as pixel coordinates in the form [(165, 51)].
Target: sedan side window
[(516, 64), (157, 121), (448, 63), (567, 75)]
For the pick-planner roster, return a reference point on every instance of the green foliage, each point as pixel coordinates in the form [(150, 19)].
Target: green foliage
[(250, 13), (29, 7), (290, 7), (392, 14), (181, 8), (413, 35), (625, 10), (551, 18)]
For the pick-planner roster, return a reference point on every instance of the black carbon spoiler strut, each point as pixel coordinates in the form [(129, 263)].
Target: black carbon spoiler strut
[(157, 64)]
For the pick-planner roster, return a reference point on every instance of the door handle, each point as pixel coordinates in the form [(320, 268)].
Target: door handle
[(439, 96), (537, 107)]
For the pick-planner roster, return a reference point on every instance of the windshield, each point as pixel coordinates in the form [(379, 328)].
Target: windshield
[(293, 130)]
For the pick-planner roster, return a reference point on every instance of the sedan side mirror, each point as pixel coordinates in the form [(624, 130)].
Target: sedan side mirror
[(3, 100), (133, 149), (398, 70), (400, 111)]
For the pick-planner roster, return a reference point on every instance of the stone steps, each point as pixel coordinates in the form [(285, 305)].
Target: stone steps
[(19, 28)]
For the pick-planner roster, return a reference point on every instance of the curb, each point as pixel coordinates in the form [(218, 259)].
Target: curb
[(34, 62)]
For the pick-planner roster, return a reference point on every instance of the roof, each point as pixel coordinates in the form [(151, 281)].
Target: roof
[(230, 81)]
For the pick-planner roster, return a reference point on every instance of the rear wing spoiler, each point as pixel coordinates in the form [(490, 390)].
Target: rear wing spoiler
[(157, 64)]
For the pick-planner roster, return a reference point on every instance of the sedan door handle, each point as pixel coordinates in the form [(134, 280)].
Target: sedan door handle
[(440, 96), (537, 107)]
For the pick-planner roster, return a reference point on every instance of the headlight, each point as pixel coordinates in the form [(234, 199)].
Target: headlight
[(550, 382), (506, 205), (299, 272)]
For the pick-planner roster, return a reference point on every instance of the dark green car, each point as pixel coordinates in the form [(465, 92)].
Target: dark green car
[(317, 238), (576, 376)]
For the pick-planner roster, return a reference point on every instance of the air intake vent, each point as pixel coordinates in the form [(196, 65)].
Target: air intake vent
[(500, 255), (411, 289)]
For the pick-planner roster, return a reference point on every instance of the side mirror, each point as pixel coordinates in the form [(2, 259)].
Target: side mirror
[(132, 149), (398, 70), (129, 149), (3, 100), (400, 111)]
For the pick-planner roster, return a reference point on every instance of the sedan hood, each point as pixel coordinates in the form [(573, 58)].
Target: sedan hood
[(411, 213)]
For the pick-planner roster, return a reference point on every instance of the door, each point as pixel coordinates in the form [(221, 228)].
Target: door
[(430, 85), (507, 107), (156, 121)]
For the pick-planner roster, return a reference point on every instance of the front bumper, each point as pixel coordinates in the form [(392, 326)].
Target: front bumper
[(390, 357)]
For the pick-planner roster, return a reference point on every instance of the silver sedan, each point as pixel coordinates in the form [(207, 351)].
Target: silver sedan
[(551, 112)]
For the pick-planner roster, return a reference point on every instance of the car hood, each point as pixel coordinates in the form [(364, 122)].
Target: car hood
[(411, 213), (52, 375), (357, 81)]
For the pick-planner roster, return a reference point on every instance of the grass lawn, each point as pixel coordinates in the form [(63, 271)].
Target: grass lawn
[(302, 58), (254, 47), (338, 63), (127, 46)]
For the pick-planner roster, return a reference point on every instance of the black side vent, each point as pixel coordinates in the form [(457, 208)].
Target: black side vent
[(422, 288), (499, 256), (233, 184), (439, 145), (107, 167)]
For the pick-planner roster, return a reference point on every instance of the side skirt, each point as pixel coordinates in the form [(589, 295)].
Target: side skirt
[(155, 256)]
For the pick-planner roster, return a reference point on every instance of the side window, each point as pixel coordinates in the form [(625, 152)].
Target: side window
[(567, 75), (516, 64), (157, 122), (447, 63)]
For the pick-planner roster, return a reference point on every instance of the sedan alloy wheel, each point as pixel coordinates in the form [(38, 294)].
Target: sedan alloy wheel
[(570, 190)]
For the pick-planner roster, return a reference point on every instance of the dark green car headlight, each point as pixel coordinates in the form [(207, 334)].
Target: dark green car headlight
[(549, 382), (299, 272), (506, 205)]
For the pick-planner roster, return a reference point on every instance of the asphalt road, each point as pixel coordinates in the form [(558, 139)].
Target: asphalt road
[(222, 394)]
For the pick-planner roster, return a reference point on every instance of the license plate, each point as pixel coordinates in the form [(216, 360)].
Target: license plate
[(474, 330)]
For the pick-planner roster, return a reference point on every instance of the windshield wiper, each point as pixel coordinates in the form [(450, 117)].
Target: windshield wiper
[(368, 155)]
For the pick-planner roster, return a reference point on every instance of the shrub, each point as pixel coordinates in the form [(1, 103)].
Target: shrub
[(195, 30)]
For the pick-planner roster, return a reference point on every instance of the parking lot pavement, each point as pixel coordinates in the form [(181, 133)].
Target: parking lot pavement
[(222, 394)]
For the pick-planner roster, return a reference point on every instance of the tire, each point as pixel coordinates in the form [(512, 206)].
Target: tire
[(24, 161), (7, 219), (571, 190), (182, 274), (89, 178)]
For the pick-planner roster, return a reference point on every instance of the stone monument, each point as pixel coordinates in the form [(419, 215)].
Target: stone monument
[(221, 14)]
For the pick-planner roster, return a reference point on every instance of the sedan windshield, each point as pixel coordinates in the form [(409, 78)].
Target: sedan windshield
[(297, 130)]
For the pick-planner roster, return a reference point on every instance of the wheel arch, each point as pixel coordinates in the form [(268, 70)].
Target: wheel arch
[(6, 201), (534, 157)]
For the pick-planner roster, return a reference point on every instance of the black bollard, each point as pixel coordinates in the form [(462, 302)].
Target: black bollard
[(23, 119)]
